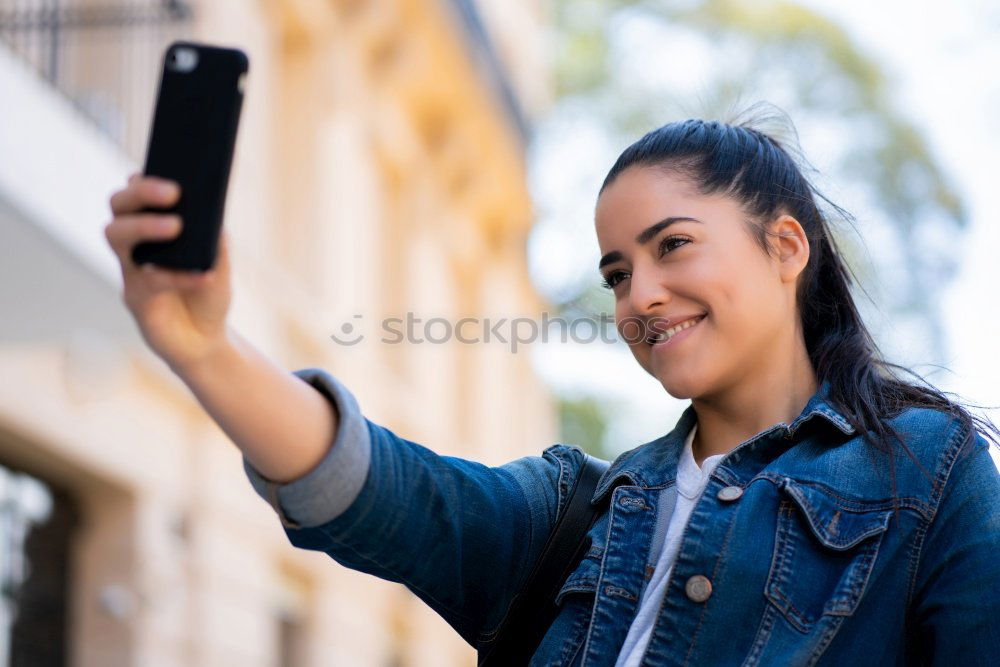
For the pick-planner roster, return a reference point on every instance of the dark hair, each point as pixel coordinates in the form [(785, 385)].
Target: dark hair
[(757, 170)]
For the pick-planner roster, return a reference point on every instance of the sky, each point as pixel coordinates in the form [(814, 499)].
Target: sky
[(944, 58), (945, 61), (942, 63)]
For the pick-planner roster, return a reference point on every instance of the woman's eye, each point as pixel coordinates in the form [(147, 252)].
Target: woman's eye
[(665, 244), (613, 279)]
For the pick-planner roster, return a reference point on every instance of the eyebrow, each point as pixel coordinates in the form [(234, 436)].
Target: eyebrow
[(644, 237)]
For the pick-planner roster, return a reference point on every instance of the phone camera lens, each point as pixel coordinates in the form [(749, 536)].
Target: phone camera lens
[(182, 59)]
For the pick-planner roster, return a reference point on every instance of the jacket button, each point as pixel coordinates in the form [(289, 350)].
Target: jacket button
[(729, 493), (698, 588)]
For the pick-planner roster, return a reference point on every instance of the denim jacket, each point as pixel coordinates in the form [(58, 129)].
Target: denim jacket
[(793, 554)]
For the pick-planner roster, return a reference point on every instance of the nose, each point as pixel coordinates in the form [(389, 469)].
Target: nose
[(647, 293)]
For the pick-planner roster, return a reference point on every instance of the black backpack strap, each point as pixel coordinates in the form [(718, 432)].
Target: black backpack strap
[(533, 608)]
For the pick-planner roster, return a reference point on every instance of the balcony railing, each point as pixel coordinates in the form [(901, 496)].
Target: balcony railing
[(103, 56)]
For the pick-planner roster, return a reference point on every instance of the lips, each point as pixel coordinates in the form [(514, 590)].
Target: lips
[(670, 322), (660, 326)]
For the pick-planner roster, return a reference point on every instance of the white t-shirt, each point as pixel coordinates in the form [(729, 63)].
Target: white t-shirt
[(691, 481)]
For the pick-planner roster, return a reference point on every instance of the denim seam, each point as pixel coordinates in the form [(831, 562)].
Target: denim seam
[(941, 479), (734, 454), (363, 510), (951, 455), (573, 642), (814, 523), (523, 565), (863, 564), (600, 577), (829, 632), (916, 548), (905, 502), (671, 579), (490, 635), (715, 572), (363, 513), (763, 635), (582, 585), (560, 483), (446, 607), (393, 571), (779, 570), (348, 453), (618, 591)]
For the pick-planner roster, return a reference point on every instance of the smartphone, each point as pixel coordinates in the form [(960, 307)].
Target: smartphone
[(191, 141)]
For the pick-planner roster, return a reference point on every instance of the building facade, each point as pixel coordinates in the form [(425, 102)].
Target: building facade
[(379, 171)]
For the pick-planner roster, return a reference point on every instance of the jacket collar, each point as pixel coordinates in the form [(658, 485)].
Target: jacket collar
[(655, 463)]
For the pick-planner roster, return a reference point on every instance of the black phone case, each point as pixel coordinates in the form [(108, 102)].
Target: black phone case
[(191, 141)]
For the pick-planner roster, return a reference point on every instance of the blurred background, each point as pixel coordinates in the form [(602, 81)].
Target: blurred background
[(434, 156)]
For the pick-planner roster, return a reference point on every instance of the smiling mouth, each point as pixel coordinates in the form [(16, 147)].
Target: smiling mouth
[(664, 336)]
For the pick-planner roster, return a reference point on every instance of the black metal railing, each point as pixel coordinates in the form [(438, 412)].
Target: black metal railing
[(102, 55)]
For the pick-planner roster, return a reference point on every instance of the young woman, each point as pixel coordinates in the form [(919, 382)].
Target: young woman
[(809, 506)]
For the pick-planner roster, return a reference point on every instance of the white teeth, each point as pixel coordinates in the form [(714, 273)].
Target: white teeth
[(673, 331)]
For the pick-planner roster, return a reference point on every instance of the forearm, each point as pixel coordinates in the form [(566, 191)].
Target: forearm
[(283, 426)]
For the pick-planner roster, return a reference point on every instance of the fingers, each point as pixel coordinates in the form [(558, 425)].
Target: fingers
[(158, 278), (144, 191), (125, 231), (131, 226)]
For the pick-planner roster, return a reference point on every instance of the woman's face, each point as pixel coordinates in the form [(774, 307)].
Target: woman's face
[(670, 254)]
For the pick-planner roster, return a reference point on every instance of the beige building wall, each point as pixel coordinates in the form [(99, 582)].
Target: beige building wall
[(377, 172)]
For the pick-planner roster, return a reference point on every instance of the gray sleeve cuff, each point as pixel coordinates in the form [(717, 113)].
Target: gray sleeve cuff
[(327, 490)]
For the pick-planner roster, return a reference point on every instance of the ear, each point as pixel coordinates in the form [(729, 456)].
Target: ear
[(792, 247)]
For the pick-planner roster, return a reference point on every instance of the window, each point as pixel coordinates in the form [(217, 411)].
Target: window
[(36, 524)]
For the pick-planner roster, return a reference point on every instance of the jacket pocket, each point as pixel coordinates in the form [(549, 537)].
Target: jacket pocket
[(824, 551)]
